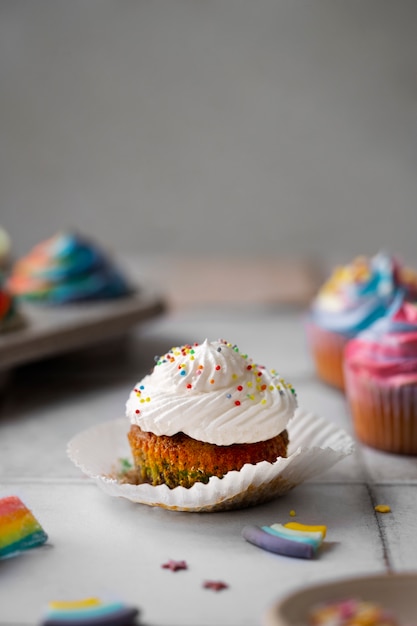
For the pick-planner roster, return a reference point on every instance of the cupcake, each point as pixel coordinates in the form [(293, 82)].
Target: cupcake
[(353, 298), (10, 316), (66, 268), (381, 380), (204, 410)]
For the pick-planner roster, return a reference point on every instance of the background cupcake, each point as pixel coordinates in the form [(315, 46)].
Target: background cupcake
[(66, 268), (381, 380), (349, 302), (10, 316)]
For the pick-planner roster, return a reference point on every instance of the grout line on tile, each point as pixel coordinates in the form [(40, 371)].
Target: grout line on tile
[(385, 549)]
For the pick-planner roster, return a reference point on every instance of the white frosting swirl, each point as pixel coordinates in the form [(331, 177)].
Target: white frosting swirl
[(214, 393)]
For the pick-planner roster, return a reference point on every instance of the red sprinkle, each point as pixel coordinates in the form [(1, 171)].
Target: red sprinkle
[(239, 387), (137, 411), (216, 585), (217, 367), (189, 386), (237, 402), (174, 566)]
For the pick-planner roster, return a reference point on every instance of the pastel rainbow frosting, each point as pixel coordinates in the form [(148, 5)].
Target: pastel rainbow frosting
[(66, 268), (89, 612), (19, 529), (359, 293), (387, 350)]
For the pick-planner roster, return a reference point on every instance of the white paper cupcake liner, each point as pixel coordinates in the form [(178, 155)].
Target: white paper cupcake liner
[(315, 446)]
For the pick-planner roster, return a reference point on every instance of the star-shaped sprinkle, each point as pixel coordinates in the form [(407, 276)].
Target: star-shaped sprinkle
[(174, 566), (215, 585)]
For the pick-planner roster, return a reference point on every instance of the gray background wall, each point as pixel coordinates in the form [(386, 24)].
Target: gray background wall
[(212, 126)]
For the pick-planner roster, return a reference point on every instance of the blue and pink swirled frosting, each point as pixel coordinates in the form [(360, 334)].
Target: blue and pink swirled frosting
[(358, 294), (387, 350), (66, 268)]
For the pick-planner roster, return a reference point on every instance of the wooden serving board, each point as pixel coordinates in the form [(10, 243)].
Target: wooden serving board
[(53, 330)]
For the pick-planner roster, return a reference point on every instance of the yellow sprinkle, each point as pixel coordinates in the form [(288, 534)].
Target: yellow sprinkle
[(74, 604), (271, 387), (383, 508), (142, 400), (249, 384), (307, 527), (234, 376), (263, 401), (192, 358), (148, 399), (292, 513)]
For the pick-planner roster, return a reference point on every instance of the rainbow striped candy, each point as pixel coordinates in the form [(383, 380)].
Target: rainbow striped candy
[(19, 530), (292, 539), (89, 612)]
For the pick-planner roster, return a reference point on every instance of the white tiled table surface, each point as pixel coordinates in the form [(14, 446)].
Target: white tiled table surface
[(104, 546)]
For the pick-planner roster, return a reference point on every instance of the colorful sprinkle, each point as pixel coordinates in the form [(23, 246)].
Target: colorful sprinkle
[(175, 566), (383, 508), (215, 585)]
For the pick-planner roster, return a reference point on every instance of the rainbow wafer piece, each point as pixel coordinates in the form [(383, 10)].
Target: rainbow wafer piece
[(19, 530), (89, 612), (301, 541)]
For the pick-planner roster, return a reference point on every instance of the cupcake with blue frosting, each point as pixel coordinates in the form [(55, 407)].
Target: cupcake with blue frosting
[(64, 269), (353, 298)]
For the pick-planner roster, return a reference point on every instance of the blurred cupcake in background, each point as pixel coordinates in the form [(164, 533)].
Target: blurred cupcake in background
[(352, 299), (5, 249), (64, 269), (10, 316), (381, 380)]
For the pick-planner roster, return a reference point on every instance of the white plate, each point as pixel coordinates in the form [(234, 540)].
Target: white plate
[(315, 446), (396, 592)]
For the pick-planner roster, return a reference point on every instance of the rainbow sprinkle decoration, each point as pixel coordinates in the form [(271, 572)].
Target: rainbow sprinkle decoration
[(89, 612), (292, 539), (19, 530)]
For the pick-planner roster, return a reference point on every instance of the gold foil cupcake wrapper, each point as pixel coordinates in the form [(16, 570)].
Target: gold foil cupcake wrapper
[(315, 446)]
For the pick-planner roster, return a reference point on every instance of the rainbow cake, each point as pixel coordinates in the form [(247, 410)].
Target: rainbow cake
[(89, 612), (349, 302), (10, 316), (66, 268), (19, 530), (381, 380), (206, 409)]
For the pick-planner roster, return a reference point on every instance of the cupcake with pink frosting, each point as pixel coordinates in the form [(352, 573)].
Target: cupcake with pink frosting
[(381, 380), (353, 298)]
